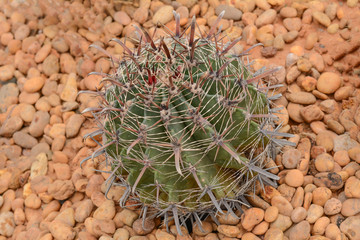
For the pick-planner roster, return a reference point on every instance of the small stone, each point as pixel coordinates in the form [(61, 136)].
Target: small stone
[(292, 74), (294, 178), (268, 52), (128, 217), (70, 91), (328, 82), (322, 18), (282, 204), (332, 206), (39, 166), (206, 227), (66, 216), (229, 231), (252, 217), (350, 207), (141, 15), (105, 211), (121, 234), (288, 12), (352, 187), (61, 230), (62, 171), (279, 42), (354, 154), (274, 234), (6, 72), (311, 113), (250, 236), (314, 213), (290, 36), (298, 214), (344, 142), (163, 15), (282, 222), (300, 231), (310, 41), (61, 189), (149, 225), (301, 98), (352, 3), (333, 28), (7, 224), (309, 83), (231, 13), (73, 125), (291, 158), (292, 24), (83, 210), (32, 201), (10, 126), (57, 130), (335, 126), (122, 18), (324, 163), (304, 65), (271, 213), (321, 195), (351, 227), (267, 17), (162, 235), (51, 65), (41, 119), (228, 219), (343, 93)]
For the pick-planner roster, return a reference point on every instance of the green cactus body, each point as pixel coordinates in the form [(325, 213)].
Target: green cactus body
[(184, 127)]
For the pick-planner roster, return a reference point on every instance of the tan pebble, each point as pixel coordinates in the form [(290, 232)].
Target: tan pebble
[(342, 158), (332, 231), (10, 126), (300, 231), (261, 228), (99, 227), (317, 61), (301, 98), (206, 227), (66, 216), (24, 140), (62, 171), (298, 197), (314, 213), (121, 234), (274, 234), (122, 18), (332, 206), (279, 42), (328, 82), (163, 15), (322, 18), (128, 217), (310, 41), (69, 92), (298, 214), (294, 112), (250, 236), (350, 207), (333, 28), (282, 222), (343, 93), (61, 230), (271, 213), (83, 210), (288, 12), (291, 158), (352, 3), (51, 65), (297, 50), (325, 139), (228, 219), (266, 17), (320, 226), (321, 195), (311, 113), (324, 163), (294, 178), (148, 224), (61, 189), (251, 217), (352, 187), (335, 126), (19, 216), (7, 224), (105, 211), (73, 125), (162, 235), (304, 65), (32, 201), (229, 231), (309, 83), (354, 153), (290, 37), (6, 72), (263, 4)]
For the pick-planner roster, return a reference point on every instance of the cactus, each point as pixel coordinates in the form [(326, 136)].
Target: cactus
[(187, 127)]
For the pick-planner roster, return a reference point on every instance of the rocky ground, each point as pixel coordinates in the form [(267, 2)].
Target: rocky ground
[(45, 60)]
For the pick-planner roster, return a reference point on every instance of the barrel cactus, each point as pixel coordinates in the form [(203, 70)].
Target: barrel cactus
[(186, 126)]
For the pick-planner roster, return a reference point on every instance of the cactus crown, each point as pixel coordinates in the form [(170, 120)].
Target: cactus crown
[(185, 129)]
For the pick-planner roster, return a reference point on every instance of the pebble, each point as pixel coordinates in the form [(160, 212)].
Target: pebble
[(300, 231), (314, 213), (8, 95), (352, 3), (351, 227), (51, 65), (229, 231), (292, 74), (321, 195), (6, 72), (7, 224), (62, 171), (283, 205), (10, 126), (290, 36), (61, 189), (333, 28), (105, 211), (271, 213), (352, 187), (282, 222), (41, 119), (61, 230), (344, 142), (274, 234), (304, 65), (122, 18), (121, 234), (32, 201), (292, 24), (149, 225), (294, 178), (206, 227), (163, 15), (328, 82), (279, 42), (298, 214), (250, 236), (231, 13), (128, 217), (343, 93), (228, 219), (39, 166), (73, 125), (350, 207), (324, 163), (354, 154), (322, 18), (311, 113), (83, 211), (301, 98), (69, 93), (309, 83), (288, 12), (267, 17), (66, 216), (162, 235), (252, 217)]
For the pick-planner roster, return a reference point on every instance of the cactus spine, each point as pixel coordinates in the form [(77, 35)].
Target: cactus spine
[(185, 126)]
